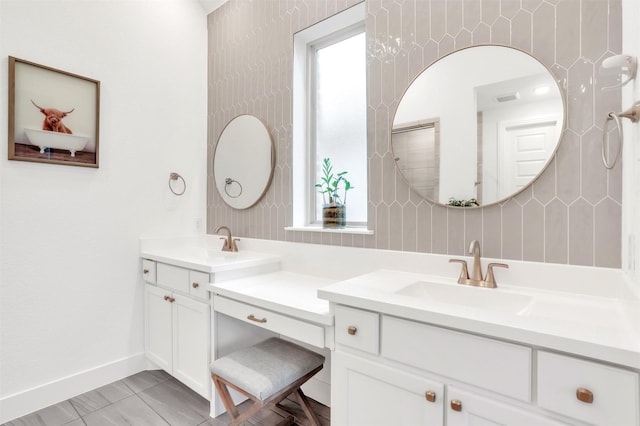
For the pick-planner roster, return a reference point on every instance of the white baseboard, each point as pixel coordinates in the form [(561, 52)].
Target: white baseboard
[(41, 396)]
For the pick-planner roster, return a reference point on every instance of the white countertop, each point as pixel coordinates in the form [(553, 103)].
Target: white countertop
[(202, 255), (285, 292), (602, 328), (583, 311)]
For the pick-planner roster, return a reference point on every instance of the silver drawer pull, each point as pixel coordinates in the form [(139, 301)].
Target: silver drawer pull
[(260, 320), (584, 395), (352, 330)]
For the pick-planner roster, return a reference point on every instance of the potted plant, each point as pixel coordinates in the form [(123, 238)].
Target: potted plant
[(471, 202), (334, 207)]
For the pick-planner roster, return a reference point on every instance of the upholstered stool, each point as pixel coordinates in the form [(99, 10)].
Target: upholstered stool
[(266, 373)]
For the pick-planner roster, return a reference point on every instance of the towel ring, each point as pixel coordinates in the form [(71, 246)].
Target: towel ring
[(632, 114), (229, 182), (605, 140), (175, 176)]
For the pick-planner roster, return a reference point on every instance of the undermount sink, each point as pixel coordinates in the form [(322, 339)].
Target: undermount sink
[(492, 300)]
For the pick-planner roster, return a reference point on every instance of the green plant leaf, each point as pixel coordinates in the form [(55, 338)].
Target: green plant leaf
[(330, 183)]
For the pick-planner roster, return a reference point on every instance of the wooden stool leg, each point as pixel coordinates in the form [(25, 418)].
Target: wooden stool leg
[(226, 397), (236, 417), (244, 416), (306, 407)]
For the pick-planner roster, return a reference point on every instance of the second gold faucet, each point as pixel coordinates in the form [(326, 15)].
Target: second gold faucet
[(475, 278), (230, 242)]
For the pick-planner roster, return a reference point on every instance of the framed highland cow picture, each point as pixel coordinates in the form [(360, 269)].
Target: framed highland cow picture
[(54, 115)]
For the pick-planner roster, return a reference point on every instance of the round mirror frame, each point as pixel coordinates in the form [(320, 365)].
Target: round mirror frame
[(565, 108), (224, 193)]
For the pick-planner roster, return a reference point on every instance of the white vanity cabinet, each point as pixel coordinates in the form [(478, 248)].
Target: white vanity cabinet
[(389, 370), (367, 391), (178, 324)]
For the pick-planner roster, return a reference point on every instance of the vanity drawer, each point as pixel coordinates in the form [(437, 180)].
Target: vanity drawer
[(357, 328), (149, 271), (498, 366), (198, 282), (291, 327), (172, 277), (615, 395)]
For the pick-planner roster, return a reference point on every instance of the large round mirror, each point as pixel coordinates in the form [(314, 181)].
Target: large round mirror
[(243, 162), (478, 125)]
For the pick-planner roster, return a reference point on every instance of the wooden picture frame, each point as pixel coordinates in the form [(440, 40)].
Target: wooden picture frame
[(54, 115)]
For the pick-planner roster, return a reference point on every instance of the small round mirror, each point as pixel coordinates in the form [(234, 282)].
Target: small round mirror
[(243, 162), (477, 126)]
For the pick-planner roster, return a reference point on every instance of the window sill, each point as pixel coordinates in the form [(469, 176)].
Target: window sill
[(318, 228)]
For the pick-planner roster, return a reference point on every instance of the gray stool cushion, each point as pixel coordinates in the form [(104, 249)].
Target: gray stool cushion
[(268, 367)]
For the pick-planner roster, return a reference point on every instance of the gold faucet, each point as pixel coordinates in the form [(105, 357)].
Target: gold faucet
[(476, 272), (475, 279), (229, 242)]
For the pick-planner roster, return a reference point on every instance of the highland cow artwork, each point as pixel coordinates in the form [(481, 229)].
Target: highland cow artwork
[(53, 119), (45, 104)]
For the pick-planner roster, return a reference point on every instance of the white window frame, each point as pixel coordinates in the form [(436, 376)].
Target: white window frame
[(343, 24)]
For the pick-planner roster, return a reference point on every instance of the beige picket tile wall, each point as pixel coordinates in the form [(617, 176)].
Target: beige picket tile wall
[(571, 214)]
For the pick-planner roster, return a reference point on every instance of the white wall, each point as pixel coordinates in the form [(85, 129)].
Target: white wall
[(631, 150), (70, 298)]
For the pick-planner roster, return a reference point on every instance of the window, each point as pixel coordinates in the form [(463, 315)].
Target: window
[(329, 118)]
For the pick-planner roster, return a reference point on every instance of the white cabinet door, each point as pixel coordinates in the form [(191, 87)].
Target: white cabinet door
[(158, 327), (191, 327), (475, 410), (367, 393), (177, 336)]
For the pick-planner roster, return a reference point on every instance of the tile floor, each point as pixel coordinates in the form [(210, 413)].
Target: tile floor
[(149, 398)]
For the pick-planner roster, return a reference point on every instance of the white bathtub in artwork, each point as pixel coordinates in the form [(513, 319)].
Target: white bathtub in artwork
[(46, 139)]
